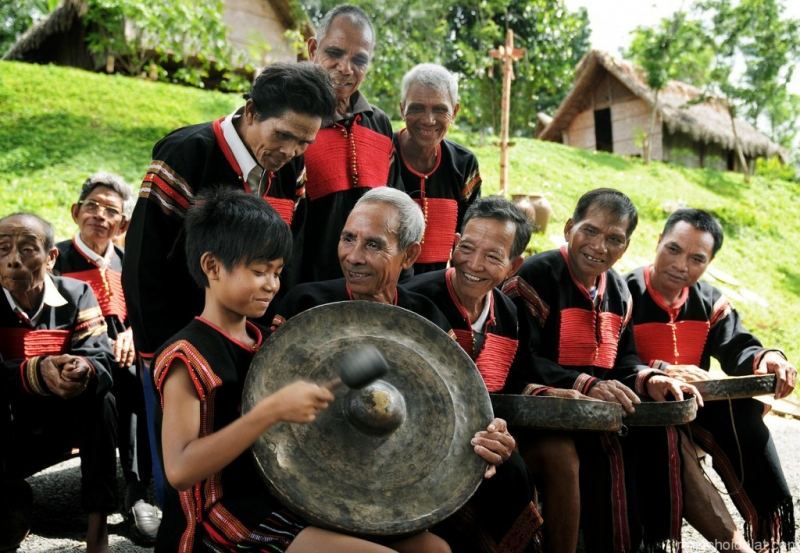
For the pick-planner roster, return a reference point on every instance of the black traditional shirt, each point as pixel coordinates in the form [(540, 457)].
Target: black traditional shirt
[(348, 158), (162, 297), (444, 194), (573, 338)]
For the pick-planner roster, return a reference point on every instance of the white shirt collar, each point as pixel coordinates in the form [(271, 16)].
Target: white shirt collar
[(101, 261), (240, 151), (51, 298), (477, 326)]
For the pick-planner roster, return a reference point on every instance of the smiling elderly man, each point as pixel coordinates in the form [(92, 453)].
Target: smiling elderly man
[(441, 176), (380, 239), (353, 151), (55, 377)]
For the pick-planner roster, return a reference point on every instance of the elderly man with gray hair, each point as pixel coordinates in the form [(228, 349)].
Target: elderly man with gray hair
[(382, 237), (440, 175), (101, 214)]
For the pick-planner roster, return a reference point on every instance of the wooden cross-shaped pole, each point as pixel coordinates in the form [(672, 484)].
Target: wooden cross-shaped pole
[(508, 54)]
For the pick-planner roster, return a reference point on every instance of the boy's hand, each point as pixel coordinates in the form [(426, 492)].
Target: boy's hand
[(301, 401), (124, 352), (494, 445)]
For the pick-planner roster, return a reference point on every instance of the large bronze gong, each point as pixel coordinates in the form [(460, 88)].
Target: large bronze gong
[(390, 459)]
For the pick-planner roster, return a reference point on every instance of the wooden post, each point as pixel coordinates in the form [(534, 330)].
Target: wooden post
[(508, 54)]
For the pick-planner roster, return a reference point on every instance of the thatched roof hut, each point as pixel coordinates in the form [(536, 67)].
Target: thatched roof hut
[(253, 26), (610, 104)]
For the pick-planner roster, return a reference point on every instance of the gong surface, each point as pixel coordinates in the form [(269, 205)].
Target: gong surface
[(557, 413), (736, 387), (662, 413), (383, 481)]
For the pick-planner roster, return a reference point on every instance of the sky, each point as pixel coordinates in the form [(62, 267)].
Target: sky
[(613, 20)]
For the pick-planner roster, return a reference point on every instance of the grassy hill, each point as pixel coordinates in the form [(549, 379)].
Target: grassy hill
[(59, 125)]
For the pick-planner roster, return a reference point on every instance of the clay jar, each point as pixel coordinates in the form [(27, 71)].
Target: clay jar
[(536, 207)]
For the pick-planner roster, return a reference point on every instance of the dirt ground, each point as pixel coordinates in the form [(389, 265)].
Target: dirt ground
[(59, 525)]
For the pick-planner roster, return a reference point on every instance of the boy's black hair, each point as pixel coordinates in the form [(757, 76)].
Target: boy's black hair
[(47, 227), (235, 227), (299, 87), (611, 200), (497, 207), (699, 219)]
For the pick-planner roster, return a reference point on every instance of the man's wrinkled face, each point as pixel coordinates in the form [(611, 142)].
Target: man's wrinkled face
[(24, 259), (100, 216), (275, 141), (369, 254), (682, 256), (344, 52), (428, 114), (595, 243), (482, 257)]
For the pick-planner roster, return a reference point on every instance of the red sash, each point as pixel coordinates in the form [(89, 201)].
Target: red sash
[(341, 159), (588, 338), (16, 343), (495, 359), (107, 287), (675, 343), (441, 216)]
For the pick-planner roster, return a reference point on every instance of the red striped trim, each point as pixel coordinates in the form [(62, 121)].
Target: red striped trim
[(26, 342), (601, 281), (473, 181), (619, 500), (441, 217), (107, 287), (518, 287), (588, 338), (722, 308), (284, 207), (219, 134), (583, 383), (724, 467), (676, 489), (234, 530), (164, 187), (495, 359)]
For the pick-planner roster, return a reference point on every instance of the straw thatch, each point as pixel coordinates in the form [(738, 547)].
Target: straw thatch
[(68, 12), (59, 20), (680, 108)]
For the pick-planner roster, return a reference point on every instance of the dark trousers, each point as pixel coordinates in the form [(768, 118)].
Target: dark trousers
[(631, 495), (42, 431), (134, 442)]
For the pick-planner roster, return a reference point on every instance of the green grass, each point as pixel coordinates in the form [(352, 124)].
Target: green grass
[(59, 125)]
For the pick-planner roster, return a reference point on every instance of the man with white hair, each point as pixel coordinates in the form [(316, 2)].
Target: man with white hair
[(440, 175), (353, 151), (381, 238)]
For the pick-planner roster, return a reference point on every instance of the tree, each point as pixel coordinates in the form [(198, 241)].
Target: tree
[(17, 16), (676, 48), (459, 35), (743, 53)]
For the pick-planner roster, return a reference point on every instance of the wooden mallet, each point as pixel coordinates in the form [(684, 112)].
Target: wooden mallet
[(358, 367)]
